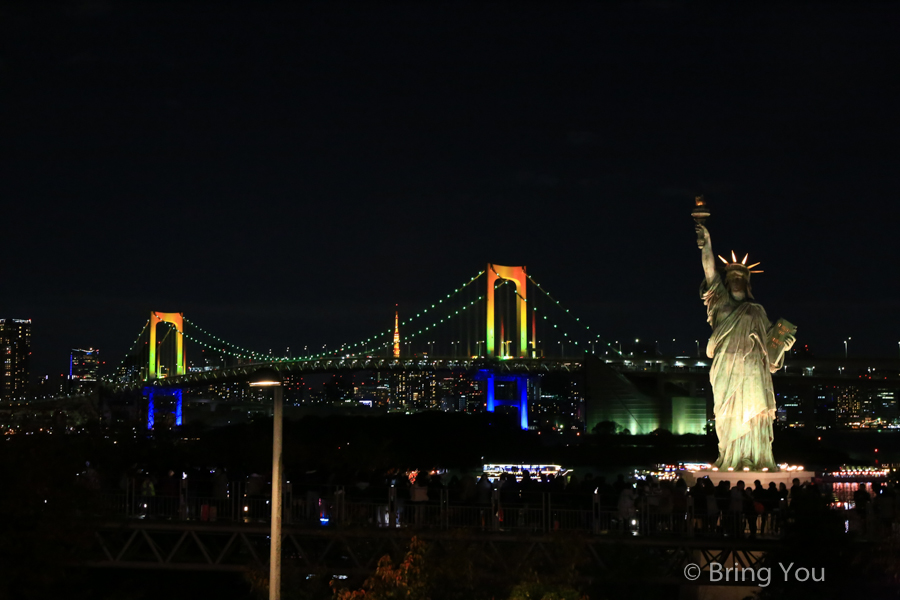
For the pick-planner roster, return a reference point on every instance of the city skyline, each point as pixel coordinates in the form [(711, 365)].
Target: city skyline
[(296, 201)]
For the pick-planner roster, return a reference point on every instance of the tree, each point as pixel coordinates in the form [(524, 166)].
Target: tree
[(408, 580), (606, 428)]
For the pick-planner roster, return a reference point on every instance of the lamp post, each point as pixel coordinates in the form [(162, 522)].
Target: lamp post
[(846, 347), (271, 378)]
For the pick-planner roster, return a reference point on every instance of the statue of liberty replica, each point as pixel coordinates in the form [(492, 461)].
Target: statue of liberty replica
[(745, 348)]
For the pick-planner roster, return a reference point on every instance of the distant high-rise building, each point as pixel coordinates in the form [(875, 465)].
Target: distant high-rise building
[(848, 407), (84, 367), (15, 351)]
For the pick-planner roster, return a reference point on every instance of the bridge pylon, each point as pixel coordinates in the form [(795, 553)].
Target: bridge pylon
[(176, 319), (521, 400), (516, 275)]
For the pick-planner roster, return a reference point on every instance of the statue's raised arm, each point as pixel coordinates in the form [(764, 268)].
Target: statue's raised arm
[(706, 254)]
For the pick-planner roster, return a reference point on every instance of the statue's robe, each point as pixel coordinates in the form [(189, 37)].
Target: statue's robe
[(741, 377)]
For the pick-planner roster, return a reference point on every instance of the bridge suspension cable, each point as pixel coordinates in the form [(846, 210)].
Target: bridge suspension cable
[(359, 347), (596, 338), (254, 356), (130, 351), (365, 345), (449, 316), (241, 352)]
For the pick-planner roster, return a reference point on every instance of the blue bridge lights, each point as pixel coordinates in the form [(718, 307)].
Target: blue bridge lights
[(521, 401), (158, 393)]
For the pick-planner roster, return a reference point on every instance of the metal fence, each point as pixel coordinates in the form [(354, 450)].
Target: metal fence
[(320, 506)]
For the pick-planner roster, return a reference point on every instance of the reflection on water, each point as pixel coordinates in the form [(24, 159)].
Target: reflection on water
[(844, 490)]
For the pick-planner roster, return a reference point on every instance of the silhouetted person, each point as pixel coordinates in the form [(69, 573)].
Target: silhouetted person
[(679, 502), (608, 498), (750, 512), (782, 492), (467, 489), (453, 488), (758, 493), (170, 484), (483, 490), (883, 507), (573, 488), (557, 484), (698, 498), (861, 498), (796, 489), (435, 487), (148, 496), (589, 481), (627, 498), (527, 484), (736, 509)]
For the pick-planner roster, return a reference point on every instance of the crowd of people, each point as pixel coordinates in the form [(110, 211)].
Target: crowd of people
[(626, 504)]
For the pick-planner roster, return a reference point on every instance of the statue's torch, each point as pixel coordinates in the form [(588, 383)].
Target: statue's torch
[(700, 214)]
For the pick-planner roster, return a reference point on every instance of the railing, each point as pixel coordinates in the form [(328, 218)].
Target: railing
[(542, 513)]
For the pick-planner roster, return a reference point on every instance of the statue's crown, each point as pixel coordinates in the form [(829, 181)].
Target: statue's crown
[(738, 269)]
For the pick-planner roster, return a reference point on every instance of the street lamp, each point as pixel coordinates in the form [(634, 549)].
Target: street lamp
[(267, 377), (846, 348)]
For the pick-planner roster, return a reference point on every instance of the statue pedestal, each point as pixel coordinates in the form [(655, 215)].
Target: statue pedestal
[(764, 477)]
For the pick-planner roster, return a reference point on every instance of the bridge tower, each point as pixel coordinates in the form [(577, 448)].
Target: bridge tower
[(521, 402), (176, 319), (517, 276)]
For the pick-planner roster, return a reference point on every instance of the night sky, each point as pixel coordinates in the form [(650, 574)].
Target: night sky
[(285, 174)]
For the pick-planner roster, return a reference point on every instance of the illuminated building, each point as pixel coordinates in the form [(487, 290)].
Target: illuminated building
[(15, 349), (84, 366), (884, 406), (789, 410), (412, 390), (673, 398), (557, 403), (848, 408)]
